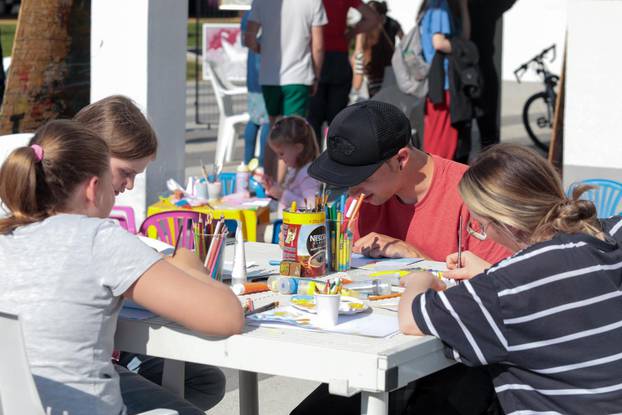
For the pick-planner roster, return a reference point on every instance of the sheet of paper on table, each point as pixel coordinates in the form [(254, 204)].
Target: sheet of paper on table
[(161, 247), (380, 264), (257, 202), (384, 264), (363, 324), (431, 265), (253, 271)]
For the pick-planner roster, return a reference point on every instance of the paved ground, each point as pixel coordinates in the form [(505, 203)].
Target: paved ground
[(278, 395)]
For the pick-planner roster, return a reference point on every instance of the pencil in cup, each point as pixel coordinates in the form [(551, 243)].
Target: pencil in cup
[(210, 248), (340, 242)]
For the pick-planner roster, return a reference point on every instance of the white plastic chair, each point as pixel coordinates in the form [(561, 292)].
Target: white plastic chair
[(8, 143), (18, 393), (228, 119)]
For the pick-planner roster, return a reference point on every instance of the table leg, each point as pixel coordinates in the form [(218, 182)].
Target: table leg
[(374, 403), (249, 399), (173, 376)]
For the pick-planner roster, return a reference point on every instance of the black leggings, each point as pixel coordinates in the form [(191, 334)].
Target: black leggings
[(456, 390), (333, 91)]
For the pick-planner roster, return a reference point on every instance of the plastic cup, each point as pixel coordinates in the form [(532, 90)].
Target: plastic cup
[(201, 249), (327, 306), (214, 190), (339, 244), (200, 189)]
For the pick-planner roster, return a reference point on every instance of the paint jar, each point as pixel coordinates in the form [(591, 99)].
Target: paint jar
[(363, 289), (242, 178), (200, 189), (304, 244), (214, 190), (288, 285)]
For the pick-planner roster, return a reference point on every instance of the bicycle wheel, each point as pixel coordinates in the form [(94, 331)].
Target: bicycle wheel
[(538, 119)]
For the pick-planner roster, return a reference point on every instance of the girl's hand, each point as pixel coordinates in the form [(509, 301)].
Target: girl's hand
[(436, 284), (275, 191), (186, 260), (471, 265)]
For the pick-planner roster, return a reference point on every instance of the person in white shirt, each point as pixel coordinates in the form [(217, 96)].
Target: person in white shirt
[(66, 270), (292, 52)]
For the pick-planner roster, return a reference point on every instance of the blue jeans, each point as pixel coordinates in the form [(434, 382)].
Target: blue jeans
[(250, 138)]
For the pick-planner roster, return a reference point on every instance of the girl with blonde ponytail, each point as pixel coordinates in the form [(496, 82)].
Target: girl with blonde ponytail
[(65, 271), (546, 320)]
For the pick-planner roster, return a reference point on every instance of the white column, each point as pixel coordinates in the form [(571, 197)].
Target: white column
[(592, 143), (404, 12), (138, 49)]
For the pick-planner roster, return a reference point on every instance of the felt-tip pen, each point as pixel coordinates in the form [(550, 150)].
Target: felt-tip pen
[(263, 308)]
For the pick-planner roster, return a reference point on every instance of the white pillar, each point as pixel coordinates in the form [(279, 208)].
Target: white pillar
[(592, 143), (138, 49), (404, 11)]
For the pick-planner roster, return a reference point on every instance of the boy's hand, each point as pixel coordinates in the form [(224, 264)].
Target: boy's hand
[(376, 245)]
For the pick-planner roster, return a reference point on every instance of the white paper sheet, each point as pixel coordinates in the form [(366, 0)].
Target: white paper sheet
[(363, 324)]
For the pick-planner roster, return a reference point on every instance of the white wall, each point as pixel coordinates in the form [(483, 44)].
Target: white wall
[(528, 27), (404, 12), (138, 49), (592, 121)]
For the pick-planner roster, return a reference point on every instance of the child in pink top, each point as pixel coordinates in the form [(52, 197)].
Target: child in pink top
[(294, 142)]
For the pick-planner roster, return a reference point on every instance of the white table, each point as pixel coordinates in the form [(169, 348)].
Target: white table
[(348, 363)]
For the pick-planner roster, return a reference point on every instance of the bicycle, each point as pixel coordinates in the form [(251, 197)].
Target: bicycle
[(539, 109)]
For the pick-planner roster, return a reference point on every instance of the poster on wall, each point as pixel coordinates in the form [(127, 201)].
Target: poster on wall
[(235, 4), (223, 50)]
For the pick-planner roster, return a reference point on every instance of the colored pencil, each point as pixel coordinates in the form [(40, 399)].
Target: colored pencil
[(359, 203)]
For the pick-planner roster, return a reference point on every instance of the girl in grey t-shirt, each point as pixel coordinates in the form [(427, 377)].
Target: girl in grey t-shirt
[(66, 269)]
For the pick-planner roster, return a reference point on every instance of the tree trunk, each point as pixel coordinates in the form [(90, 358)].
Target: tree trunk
[(49, 74)]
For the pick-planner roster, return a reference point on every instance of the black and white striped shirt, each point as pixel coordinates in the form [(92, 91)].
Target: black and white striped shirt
[(547, 321)]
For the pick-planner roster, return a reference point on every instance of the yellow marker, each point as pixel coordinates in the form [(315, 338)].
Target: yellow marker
[(292, 209), (394, 273), (338, 240)]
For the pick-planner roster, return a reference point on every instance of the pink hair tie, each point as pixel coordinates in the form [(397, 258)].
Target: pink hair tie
[(38, 151)]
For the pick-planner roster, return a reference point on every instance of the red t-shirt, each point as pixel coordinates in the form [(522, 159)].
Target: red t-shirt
[(335, 30), (432, 224)]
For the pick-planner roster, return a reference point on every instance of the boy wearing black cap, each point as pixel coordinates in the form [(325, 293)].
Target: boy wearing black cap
[(412, 207)]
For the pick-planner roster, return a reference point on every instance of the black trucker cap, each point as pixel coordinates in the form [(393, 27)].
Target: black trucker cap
[(360, 138)]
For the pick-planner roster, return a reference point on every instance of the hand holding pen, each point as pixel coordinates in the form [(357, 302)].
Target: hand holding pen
[(261, 309), (469, 266)]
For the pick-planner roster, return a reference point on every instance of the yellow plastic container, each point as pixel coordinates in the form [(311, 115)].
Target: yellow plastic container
[(304, 244)]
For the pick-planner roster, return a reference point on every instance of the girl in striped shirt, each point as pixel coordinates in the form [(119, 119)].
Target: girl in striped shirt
[(545, 322)]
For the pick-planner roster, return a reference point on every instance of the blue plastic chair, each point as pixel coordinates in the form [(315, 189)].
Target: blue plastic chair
[(606, 196), (277, 230), (228, 185)]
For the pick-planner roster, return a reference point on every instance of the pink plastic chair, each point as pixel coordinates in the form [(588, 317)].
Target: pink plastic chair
[(125, 216), (165, 226)]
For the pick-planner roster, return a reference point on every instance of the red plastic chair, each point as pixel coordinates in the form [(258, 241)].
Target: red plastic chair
[(169, 226), (125, 216)]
